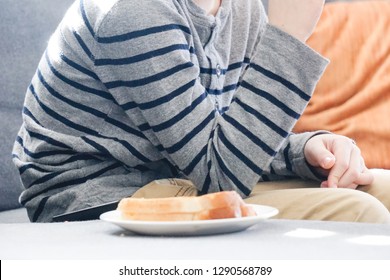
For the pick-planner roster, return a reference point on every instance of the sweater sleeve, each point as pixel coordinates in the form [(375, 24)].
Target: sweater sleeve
[(290, 160), (274, 92), (155, 79)]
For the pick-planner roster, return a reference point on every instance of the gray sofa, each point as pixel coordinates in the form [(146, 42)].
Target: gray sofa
[(25, 27)]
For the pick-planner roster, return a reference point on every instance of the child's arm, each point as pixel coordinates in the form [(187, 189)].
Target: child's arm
[(296, 17)]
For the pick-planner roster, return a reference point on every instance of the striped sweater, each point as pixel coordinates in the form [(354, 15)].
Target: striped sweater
[(131, 91)]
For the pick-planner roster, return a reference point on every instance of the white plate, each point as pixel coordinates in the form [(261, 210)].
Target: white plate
[(191, 227)]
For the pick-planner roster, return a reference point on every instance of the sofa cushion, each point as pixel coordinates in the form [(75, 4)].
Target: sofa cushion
[(25, 27), (14, 216)]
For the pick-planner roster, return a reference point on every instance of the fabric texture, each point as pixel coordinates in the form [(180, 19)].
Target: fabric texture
[(132, 91), (353, 96), (25, 28)]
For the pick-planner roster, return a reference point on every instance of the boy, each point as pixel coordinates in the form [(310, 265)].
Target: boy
[(131, 92)]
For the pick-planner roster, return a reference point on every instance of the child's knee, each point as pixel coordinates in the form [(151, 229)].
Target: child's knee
[(365, 208), (380, 188)]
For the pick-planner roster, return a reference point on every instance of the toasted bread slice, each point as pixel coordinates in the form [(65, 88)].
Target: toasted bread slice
[(222, 205)]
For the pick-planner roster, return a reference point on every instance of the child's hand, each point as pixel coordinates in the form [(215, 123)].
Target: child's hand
[(296, 17), (338, 158)]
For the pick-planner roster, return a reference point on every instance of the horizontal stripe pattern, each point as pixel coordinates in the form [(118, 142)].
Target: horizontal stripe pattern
[(141, 57), (116, 92), (281, 80), (272, 99), (143, 32)]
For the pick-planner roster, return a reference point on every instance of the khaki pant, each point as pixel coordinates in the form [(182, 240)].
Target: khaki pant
[(299, 199)]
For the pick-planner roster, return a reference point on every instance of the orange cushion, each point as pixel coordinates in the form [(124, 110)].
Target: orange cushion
[(353, 96)]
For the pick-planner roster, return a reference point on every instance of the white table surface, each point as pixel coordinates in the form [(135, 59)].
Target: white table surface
[(271, 239)]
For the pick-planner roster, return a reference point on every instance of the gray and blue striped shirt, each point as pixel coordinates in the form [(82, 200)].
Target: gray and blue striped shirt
[(131, 91)]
